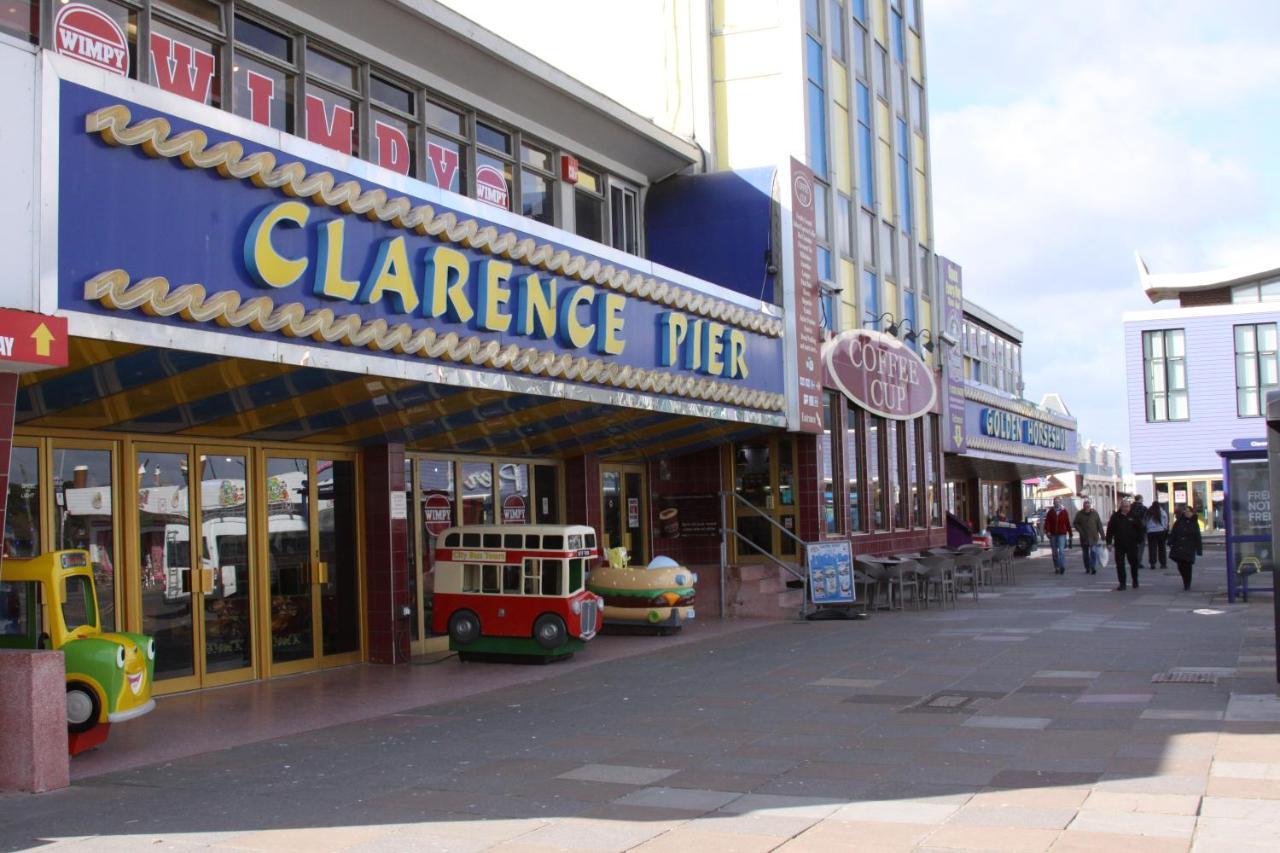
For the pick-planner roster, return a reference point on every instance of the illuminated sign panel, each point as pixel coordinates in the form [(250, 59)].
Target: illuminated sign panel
[(167, 221)]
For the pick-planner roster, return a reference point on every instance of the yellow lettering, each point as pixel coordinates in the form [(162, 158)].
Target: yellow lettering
[(737, 354), (329, 280), (391, 275), (609, 324), (572, 332), (267, 266), (535, 306), (493, 296), (674, 326), (446, 276), (715, 349)]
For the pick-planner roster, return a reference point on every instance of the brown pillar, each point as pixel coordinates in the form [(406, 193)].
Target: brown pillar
[(386, 537), (582, 491), (808, 487)]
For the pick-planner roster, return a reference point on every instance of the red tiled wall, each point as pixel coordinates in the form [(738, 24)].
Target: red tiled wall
[(386, 556), (582, 491), (688, 475), (808, 486), (8, 396)]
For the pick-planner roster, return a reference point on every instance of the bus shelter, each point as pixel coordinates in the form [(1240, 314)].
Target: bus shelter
[(1245, 477)]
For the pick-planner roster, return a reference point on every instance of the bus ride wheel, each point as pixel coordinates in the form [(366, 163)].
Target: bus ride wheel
[(549, 631), (464, 627), (83, 707)]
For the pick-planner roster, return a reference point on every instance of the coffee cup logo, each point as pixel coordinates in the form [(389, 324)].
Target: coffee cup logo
[(669, 522)]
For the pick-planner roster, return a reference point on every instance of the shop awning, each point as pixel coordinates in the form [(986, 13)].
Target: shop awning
[(128, 388)]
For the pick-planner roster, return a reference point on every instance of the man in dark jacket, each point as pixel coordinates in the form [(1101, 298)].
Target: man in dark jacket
[(1123, 533), (1138, 512)]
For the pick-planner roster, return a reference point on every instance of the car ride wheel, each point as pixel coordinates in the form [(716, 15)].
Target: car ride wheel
[(83, 707), (464, 627), (1023, 545), (550, 631)]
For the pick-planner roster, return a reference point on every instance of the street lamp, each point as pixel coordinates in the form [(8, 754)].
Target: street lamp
[(892, 328)]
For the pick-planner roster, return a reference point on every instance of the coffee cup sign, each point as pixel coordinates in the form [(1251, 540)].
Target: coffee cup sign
[(880, 374)]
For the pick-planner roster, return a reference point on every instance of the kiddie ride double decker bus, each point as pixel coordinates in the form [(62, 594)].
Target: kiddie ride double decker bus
[(49, 602), (506, 590)]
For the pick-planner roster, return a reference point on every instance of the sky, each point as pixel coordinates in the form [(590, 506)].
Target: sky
[(1068, 135), (1065, 135)]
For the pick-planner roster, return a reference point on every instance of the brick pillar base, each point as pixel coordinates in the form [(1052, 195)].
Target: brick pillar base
[(33, 717), (386, 536)]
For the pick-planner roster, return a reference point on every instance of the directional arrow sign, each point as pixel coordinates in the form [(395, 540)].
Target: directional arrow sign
[(31, 341)]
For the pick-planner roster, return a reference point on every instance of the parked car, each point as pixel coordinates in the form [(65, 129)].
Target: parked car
[(1022, 536)]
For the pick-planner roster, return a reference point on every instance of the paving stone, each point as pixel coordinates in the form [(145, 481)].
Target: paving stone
[(896, 811), (617, 773), (1169, 714), (1115, 801), (1031, 798), (1249, 789), (848, 682), (992, 722), (1101, 842), (683, 839), (990, 838), (1245, 770), (1240, 808), (595, 835), (1134, 823), (832, 836), (679, 798)]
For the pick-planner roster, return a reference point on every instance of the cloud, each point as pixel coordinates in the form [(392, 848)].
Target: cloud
[(1086, 132)]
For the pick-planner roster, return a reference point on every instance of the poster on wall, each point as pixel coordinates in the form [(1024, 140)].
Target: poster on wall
[(804, 300), (953, 426), (688, 516), (830, 567)]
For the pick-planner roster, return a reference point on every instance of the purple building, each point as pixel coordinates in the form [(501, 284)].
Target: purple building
[(1199, 366)]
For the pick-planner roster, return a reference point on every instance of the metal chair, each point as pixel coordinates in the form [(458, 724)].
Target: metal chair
[(1002, 560), (938, 573), (908, 578), (968, 567)]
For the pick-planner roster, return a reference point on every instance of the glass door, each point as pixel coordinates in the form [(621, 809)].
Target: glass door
[(196, 591), (625, 510), (312, 560), (764, 475)]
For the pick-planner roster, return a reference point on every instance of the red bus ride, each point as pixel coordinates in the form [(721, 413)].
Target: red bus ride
[(516, 590)]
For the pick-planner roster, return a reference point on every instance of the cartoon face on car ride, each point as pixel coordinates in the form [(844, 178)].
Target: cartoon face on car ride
[(109, 675)]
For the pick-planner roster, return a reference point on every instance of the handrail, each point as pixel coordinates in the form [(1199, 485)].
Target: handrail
[(785, 532), (725, 530)]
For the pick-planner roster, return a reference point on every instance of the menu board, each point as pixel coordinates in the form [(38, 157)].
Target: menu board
[(830, 566)]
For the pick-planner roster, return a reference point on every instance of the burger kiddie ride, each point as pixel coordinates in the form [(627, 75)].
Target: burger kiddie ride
[(657, 596), (49, 602), (516, 589)]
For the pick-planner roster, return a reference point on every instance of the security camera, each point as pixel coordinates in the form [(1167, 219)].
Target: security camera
[(948, 338)]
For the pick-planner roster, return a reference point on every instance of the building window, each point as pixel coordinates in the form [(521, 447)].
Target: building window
[(852, 469), (828, 453), (886, 251), (859, 9), (893, 473), (263, 76), (626, 230), (186, 50), (878, 72), (21, 18), (838, 30), (876, 490), (448, 151), (870, 299), (1267, 291), (904, 181), (22, 504), (866, 167), (866, 238), (933, 495), (898, 39), (1256, 372), (588, 206), (813, 16), (395, 126), (1164, 362), (817, 106), (915, 486), (537, 184)]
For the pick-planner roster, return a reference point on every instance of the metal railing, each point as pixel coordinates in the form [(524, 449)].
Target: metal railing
[(726, 531)]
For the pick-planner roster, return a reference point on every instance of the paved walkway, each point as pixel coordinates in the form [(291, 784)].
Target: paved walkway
[(1028, 720)]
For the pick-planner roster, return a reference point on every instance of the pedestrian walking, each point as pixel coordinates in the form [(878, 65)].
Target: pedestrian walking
[(1157, 525), (1138, 512), (1123, 532), (1089, 525), (1185, 543), (1057, 525)]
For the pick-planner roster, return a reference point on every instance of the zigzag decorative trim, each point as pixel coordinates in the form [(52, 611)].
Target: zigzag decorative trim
[(154, 297), (1021, 407), (192, 148)]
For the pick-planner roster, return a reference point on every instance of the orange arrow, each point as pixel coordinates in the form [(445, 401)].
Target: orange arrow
[(43, 337)]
